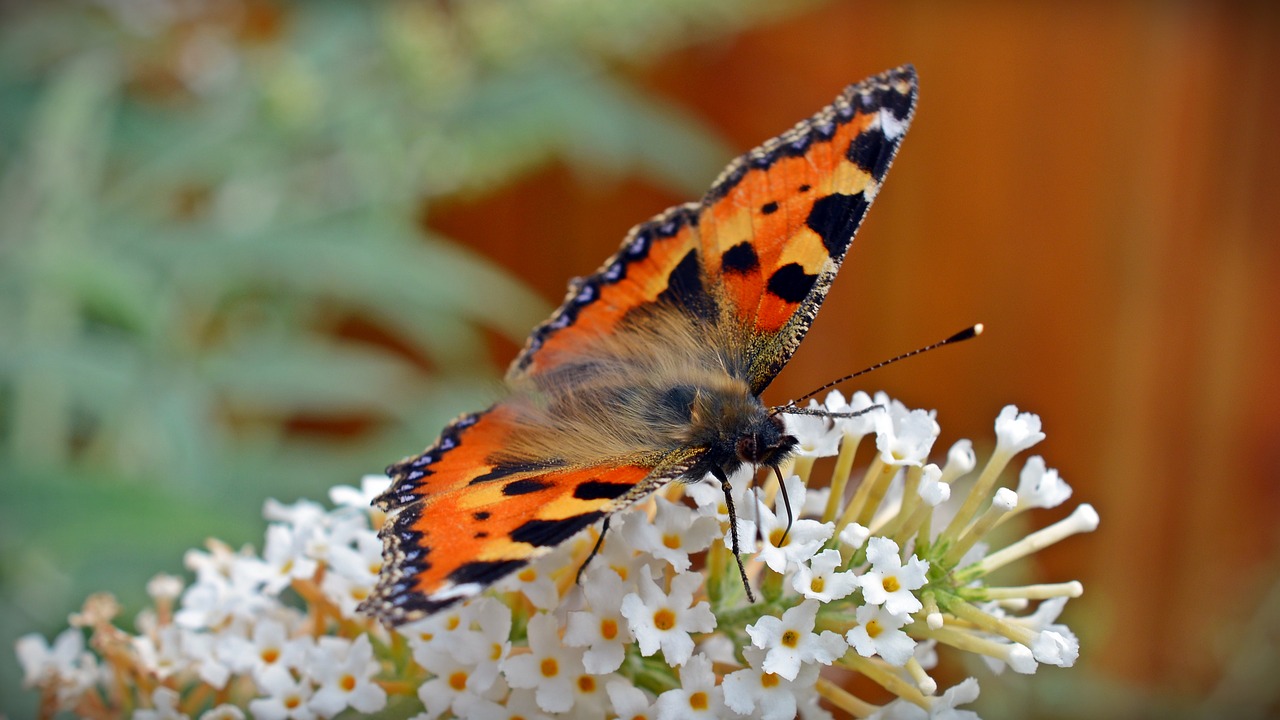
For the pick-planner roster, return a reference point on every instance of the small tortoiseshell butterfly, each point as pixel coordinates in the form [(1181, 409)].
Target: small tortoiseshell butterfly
[(652, 369)]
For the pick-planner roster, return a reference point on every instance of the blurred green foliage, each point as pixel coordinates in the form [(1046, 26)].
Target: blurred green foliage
[(199, 200)]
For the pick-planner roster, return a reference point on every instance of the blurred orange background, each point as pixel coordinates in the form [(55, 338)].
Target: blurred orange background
[(1098, 183)]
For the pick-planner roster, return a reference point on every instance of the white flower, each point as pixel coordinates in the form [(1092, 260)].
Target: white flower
[(549, 668), (286, 697), (932, 490), (697, 696), (817, 436), (66, 665), (453, 678), (819, 581), (1016, 431), (488, 646), (164, 706), (662, 620), (799, 544), (344, 670), (214, 655), (1041, 487), (854, 535), (228, 587), (905, 439), (889, 582), (756, 690), (878, 632), (791, 641), (961, 460), (1056, 648), (601, 628), (437, 629), (630, 702), (273, 649), (284, 557), (673, 533)]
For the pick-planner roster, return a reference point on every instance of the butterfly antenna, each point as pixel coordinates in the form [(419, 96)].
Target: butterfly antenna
[(966, 334)]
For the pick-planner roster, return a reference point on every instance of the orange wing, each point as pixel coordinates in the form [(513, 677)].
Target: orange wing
[(466, 520), (777, 224), (760, 251)]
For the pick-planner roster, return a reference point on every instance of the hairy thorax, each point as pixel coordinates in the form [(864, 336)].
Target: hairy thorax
[(647, 390)]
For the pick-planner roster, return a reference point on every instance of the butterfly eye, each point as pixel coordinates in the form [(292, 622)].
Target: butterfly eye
[(748, 448)]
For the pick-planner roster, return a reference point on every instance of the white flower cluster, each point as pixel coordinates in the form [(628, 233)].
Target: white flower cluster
[(660, 626)]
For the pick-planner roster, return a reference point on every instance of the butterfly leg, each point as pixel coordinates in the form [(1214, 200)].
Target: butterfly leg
[(718, 474), (595, 550), (786, 501)]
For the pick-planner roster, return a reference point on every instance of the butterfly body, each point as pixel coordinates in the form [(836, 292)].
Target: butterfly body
[(652, 369)]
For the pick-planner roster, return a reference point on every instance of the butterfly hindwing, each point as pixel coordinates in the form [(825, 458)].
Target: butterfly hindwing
[(466, 519)]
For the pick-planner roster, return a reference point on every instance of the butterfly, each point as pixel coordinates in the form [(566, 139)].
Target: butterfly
[(651, 370)]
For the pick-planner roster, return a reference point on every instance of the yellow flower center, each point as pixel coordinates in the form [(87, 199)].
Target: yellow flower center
[(270, 655), (528, 575), (586, 683), (550, 668), (768, 680), (817, 584), (790, 638), (347, 682), (775, 538), (664, 619), (671, 540), (454, 622), (891, 584), (458, 681), (292, 701), (698, 701), (608, 628), (874, 629)]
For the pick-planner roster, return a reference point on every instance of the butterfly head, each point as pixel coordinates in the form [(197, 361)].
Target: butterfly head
[(737, 429)]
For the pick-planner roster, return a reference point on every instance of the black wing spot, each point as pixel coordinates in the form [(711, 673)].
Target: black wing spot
[(542, 533), (600, 490), (836, 218), (740, 258), (791, 283), (483, 572), (872, 152), (805, 188), (684, 288), (481, 515), (506, 470), (524, 487), (481, 535), (769, 208)]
